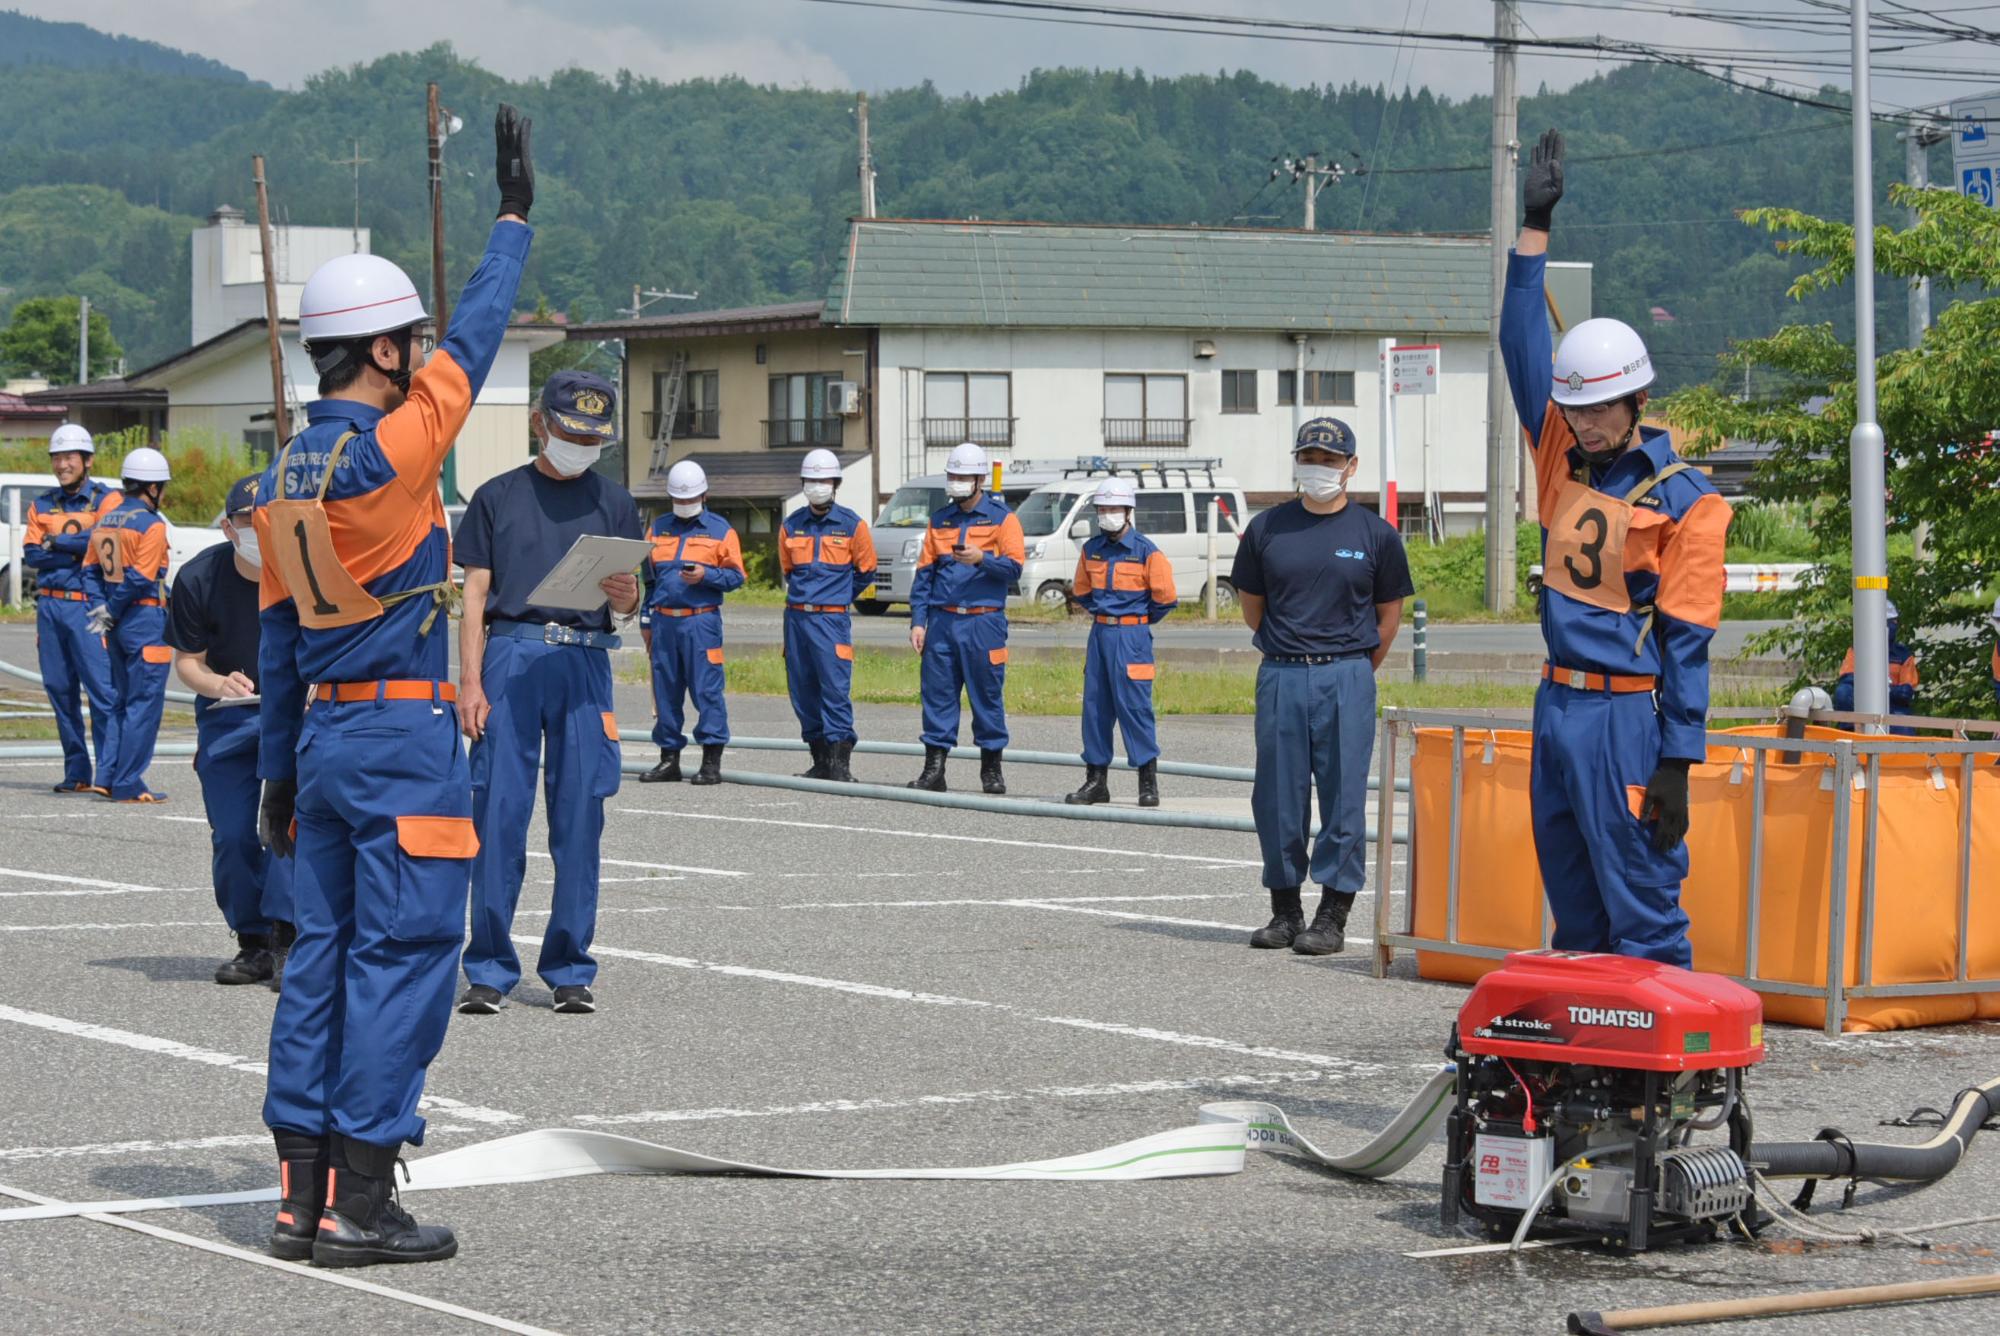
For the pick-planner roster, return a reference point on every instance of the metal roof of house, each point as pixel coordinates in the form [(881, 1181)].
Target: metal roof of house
[(914, 272), (749, 475), (705, 324)]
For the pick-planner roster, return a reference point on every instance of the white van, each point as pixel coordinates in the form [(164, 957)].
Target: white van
[(182, 542), (899, 529), (1172, 510)]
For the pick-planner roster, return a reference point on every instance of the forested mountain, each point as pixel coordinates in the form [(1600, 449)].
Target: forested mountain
[(741, 192), (32, 41)]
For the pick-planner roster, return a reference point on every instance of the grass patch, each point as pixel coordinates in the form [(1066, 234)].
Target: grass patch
[(17, 614), (1055, 687)]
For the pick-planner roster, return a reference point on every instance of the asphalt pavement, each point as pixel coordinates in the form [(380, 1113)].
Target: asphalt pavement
[(830, 981)]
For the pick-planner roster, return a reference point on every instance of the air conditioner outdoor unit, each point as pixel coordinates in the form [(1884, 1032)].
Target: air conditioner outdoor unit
[(844, 398)]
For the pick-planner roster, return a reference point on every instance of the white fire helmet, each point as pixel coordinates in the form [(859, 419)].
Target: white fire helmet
[(353, 296), (820, 466), (1114, 492), (967, 459), (686, 481), (1599, 361), (146, 465), (70, 437)]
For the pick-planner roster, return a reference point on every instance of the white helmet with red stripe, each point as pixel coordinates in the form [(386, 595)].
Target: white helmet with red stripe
[(1599, 361), (354, 296)]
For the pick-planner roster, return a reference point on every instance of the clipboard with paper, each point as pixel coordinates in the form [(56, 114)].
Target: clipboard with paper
[(590, 560)]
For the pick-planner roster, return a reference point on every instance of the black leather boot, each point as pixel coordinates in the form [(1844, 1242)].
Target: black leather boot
[(932, 777), (668, 771), (252, 963), (1328, 934), (282, 936), (1093, 789), (837, 767), (711, 764), (1287, 918), (302, 1166), (364, 1223), (817, 770), (1149, 784), (990, 778)]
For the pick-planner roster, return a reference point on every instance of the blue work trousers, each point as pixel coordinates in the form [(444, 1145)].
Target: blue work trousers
[(1118, 685), (965, 651), (1315, 730), (253, 886), (71, 659), (819, 674), (687, 662), (139, 661), (551, 703), (385, 843), (1608, 888)]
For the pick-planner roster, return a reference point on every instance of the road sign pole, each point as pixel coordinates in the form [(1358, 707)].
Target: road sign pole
[(1386, 350), (1865, 445)]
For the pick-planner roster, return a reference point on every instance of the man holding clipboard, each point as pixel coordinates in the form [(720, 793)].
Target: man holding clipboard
[(535, 684)]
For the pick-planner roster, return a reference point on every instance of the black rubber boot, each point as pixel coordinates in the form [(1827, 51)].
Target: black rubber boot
[(837, 756), (1328, 934), (668, 771), (990, 778), (1093, 789), (932, 777), (364, 1223), (1286, 920), (1149, 784), (252, 963), (711, 764), (302, 1166), (282, 936), (818, 768)]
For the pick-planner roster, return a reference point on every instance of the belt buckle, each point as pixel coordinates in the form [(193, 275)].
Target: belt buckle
[(1577, 678), (555, 633)]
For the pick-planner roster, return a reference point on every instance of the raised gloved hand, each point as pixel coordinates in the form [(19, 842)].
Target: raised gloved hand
[(1543, 186), (1666, 802), (98, 620), (274, 820), (514, 169)]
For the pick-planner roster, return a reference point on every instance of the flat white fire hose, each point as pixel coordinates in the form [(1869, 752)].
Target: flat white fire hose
[(1215, 1144)]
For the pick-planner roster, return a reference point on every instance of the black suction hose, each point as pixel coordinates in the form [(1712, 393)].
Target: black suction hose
[(1834, 1155)]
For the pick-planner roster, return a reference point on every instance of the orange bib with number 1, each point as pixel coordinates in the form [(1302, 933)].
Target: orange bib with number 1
[(1587, 541), (325, 595)]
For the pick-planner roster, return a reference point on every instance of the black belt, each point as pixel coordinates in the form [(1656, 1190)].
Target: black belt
[(554, 633), (1318, 658)]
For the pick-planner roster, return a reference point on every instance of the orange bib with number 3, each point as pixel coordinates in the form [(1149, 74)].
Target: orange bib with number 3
[(325, 595), (110, 553), (1586, 554)]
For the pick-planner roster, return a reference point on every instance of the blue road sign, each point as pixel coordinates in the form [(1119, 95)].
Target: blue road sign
[(1978, 183)]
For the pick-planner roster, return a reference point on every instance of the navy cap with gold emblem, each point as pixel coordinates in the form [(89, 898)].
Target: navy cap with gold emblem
[(243, 495), (1325, 433), (581, 404)]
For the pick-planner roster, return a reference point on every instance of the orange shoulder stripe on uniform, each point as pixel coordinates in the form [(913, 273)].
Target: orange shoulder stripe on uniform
[(1691, 574), (38, 526), (1160, 576), (864, 547), (1904, 674), (378, 531), (1551, 459), (730, 553), (148, 551), (1009, 542), (417, 435), (1079, 584)]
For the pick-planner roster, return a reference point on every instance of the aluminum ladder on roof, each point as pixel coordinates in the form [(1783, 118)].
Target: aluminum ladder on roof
[(666, 411)]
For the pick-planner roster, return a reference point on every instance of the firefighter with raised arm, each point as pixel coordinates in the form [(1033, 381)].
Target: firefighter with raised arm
[(1633, 542), (360, 753)]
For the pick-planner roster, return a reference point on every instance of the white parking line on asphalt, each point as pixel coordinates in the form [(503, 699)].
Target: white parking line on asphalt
[(86, 885), (173, 1048), (106, 927), (224, 1141), (931, 904), (657, 867), (939, 835), (887, 993)]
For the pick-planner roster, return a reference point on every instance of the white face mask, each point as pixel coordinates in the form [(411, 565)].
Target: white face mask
[(960, 488), (1111, 521), (567, 457), (245, 539), (687, 510), (819, 493), (1320, 482)]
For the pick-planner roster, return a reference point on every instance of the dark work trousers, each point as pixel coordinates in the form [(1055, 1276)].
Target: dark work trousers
[(1315, 730)]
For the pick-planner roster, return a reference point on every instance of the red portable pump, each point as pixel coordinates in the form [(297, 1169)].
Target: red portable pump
[(1582, 1081)]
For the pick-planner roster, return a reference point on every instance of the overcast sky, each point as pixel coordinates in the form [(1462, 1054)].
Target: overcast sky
[(824, 45)]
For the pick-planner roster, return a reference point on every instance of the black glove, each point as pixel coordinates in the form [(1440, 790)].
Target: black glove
[(274, 821), (1544, 183), (514, 168), (1666, 802)]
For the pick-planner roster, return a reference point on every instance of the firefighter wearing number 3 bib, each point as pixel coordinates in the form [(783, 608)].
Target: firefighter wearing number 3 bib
[(1633, 542), (359, 747)]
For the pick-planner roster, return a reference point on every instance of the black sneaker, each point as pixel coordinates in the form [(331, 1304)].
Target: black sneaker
[(573, 999), (479, 1000), (252, 963)]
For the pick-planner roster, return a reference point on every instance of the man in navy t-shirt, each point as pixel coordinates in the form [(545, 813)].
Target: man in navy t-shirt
[(1321, 584), (535, 685)]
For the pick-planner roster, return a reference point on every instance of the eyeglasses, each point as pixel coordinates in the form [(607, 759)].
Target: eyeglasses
[(426, 341), (1588, 411)]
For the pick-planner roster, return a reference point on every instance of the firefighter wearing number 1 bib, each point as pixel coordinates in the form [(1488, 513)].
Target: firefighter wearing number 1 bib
[(359, 738), (1633, 541)]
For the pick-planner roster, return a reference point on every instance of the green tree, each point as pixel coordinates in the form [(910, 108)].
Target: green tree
[(40, 340), (1937, 404)]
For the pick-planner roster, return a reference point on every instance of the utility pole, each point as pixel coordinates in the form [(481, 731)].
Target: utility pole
[(1316, 177), (1917, 141), (281, 427), (435, 136), (355, 162), (867, 162), (1865, 444), (83, 340), (1502, 448)]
